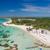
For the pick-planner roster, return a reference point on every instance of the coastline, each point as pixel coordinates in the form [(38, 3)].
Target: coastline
[(41, 39)]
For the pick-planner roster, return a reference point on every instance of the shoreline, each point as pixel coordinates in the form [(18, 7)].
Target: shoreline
[(36, 35)]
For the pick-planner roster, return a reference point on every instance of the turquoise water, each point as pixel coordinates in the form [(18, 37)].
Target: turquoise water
[(3, 20), (21, 38), (18, 36)]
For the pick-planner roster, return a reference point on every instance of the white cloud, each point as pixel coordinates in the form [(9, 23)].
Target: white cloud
[(30, 8), (11, 10)]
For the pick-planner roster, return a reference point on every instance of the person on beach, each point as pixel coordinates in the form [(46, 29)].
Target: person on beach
[(29, 29), (42, 31)]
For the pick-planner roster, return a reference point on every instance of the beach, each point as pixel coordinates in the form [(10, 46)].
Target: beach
[(41, 39)]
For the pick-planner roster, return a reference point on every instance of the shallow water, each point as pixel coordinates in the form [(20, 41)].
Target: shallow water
[(18, 36), (3, 20), (21, 38)]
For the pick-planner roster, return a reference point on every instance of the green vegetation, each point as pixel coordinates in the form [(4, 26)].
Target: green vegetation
[(22, 21), (43, 23)]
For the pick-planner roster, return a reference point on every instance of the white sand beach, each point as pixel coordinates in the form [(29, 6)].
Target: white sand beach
[(42, 39)]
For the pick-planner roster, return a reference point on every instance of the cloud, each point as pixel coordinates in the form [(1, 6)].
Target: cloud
[(38, 9), (11, 10), (29, 8)]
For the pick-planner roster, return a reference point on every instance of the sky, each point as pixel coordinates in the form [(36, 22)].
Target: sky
[(25, 8)]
